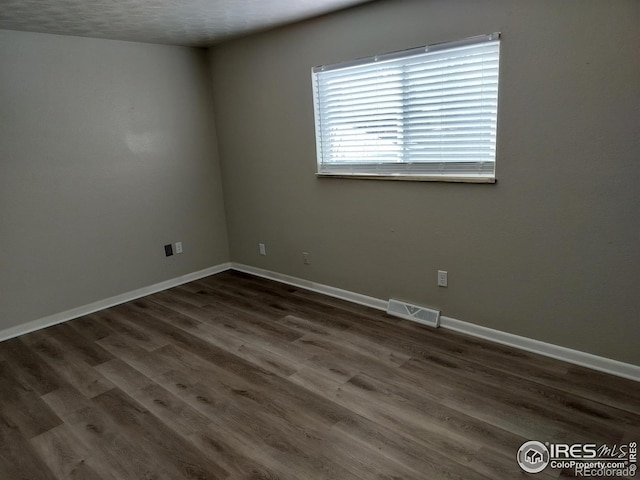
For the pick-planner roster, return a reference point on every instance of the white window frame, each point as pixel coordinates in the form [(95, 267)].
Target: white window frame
[(410, 129)]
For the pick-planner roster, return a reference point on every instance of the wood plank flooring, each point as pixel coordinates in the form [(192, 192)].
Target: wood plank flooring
[(235, 377)]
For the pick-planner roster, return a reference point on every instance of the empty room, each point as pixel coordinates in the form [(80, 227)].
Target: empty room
[(319, 239)]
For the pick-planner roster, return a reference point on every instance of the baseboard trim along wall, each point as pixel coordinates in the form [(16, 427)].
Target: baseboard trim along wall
[(313, 286), (588, 360), (575, 357), (108, 302)]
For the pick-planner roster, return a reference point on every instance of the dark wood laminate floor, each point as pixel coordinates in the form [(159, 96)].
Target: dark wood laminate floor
[(235, 377)]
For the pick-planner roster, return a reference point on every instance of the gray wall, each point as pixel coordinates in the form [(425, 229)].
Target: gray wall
[(107, 152), (551, 252)]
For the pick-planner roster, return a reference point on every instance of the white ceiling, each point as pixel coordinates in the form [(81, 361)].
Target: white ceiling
[(177, 22)]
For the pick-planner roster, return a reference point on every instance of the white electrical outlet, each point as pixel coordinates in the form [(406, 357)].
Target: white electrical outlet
[(305, 258), (178, 247), (442, 278), (263, 248)]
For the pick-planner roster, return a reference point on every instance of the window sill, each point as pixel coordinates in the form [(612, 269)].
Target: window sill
[(409, 178)]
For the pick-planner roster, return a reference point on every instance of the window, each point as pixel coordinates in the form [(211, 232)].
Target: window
[(428, 113)]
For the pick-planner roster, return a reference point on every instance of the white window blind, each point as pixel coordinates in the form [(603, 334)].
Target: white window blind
[(424, 112)]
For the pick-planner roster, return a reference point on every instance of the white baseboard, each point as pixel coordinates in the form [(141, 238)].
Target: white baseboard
[(588, 360), (576, 357), (313, 286), (108, 302)]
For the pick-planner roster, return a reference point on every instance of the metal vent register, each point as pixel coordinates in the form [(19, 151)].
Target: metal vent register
[(414, 313)]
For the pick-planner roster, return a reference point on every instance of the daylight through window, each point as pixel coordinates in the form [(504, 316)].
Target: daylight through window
[(425, 113)]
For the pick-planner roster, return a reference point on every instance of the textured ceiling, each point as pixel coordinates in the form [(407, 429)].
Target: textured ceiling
[(177, 22)]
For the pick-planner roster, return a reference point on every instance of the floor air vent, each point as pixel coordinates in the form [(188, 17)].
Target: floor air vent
[(426, 316)]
